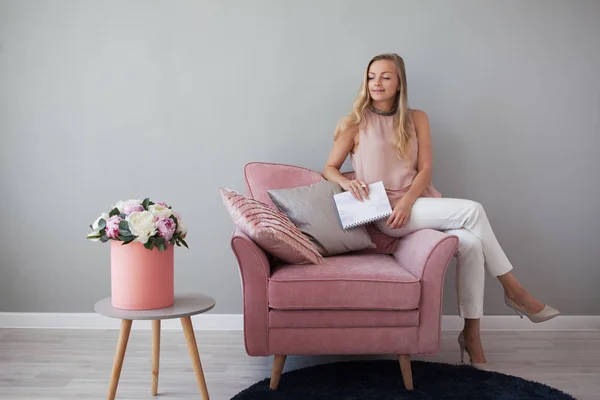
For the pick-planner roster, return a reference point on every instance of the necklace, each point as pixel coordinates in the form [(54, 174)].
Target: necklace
[(384, 113)]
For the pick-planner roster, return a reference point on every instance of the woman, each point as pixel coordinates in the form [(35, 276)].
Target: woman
[(389, 142)]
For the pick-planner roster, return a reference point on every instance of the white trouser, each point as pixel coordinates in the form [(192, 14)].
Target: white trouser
[(478, 249)]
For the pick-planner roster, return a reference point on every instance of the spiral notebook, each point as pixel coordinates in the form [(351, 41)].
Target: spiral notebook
[(354, 213)]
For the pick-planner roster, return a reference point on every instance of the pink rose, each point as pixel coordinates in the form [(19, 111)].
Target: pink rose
[(166, 228), (112, 227), (133, 208), (162, 203), (180, 226)]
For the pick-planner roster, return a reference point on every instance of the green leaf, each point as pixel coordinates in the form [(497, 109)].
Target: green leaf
[(91, 227), (123, 225), (184, 243), (145, 203), (159, 241), (127, 241), (113, 212), (148, 245), (96, 236), (101, 223), (151, 203), (125, 232), (162, 247), (104, 238)]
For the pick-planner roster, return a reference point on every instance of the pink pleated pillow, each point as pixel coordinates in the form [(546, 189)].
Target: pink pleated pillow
[(270, 229)]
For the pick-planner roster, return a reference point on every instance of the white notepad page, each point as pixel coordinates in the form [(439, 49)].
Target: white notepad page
[(354, 213)]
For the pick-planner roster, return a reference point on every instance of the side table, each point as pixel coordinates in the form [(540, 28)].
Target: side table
[(184, 307)]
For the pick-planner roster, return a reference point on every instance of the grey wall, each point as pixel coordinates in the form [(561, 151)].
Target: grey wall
[(102, 101)]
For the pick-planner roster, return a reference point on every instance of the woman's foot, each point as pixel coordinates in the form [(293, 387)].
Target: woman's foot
[(473, 347), (517, 293), (544, 315), (523, 299), (517, 298)]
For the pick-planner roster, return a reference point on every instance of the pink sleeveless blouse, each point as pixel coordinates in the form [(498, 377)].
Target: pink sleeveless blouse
[(376, 160)]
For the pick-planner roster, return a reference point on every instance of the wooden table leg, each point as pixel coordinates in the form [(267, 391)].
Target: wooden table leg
[(155, 355), (119, 356), (190, 338)]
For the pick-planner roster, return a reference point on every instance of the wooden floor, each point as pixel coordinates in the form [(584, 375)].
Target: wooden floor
[(76, 364)]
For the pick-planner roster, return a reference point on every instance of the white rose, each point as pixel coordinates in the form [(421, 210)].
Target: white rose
[(122, 204), (181, 228), (142, 225), (160, 211)]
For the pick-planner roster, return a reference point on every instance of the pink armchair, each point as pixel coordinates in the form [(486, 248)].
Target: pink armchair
[(358, 303)]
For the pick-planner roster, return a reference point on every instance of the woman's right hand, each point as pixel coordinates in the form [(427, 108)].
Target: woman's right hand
[(358, 188)]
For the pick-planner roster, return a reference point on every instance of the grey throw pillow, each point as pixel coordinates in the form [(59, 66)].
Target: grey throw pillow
[(312, 209)]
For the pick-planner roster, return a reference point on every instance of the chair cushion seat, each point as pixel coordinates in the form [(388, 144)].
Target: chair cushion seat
[(345, 282)]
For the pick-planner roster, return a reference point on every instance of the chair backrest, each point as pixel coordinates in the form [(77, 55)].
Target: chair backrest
[(262, 176)]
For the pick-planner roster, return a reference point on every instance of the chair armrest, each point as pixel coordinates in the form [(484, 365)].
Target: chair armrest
[(426, 254), (254, 274), (245, 249), (415, 250)]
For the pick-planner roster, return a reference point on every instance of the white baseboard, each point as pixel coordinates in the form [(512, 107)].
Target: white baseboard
[(218, 322), (234, 322), (514, 323)]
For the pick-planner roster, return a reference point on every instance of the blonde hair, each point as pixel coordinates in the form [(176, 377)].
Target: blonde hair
[(401, 136)]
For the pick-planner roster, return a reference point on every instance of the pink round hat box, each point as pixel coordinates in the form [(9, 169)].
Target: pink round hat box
[(141, 279)]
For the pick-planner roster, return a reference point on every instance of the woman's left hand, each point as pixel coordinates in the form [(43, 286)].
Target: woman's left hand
[(400, 214)]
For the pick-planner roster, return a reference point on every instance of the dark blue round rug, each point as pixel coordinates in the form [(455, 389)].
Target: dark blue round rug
[(381, 379)]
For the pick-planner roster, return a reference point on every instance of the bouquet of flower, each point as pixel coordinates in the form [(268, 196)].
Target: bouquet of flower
[(152, 224)]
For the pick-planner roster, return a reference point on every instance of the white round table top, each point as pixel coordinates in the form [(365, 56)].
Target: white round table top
[(185, 305)]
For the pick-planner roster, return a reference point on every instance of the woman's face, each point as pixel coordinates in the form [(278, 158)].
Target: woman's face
[(383, 80)]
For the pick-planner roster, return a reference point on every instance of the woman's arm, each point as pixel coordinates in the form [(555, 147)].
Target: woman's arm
[(423, 177), (342, 146), (421, 181)]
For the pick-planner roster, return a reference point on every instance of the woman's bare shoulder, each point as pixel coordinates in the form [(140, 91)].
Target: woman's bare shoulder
[(418, 115), (347, 128)]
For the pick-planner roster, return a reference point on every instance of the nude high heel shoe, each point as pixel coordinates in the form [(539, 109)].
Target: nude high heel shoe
[(544, 315), (463, 347)]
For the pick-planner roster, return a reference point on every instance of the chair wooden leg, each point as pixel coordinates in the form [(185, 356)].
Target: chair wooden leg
[(278, 363), (406, 371)]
